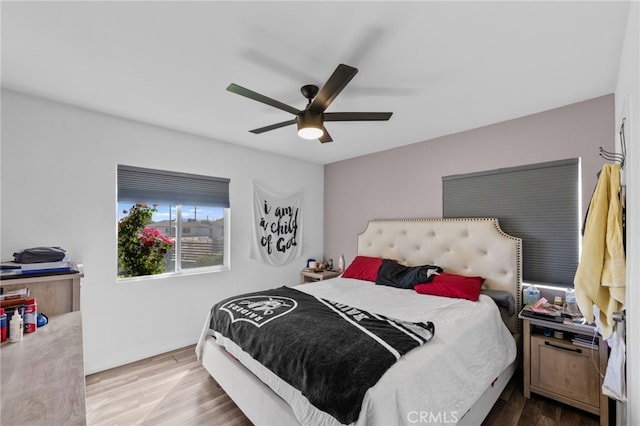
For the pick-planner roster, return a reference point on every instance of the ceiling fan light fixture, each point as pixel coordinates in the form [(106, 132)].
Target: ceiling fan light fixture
[(310, 125), (311, 120), (310, 133)]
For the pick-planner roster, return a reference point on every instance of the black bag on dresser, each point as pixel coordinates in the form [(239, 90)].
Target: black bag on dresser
[(40, 254)]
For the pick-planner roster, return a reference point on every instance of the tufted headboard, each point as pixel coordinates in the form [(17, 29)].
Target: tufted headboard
[(474, 247)]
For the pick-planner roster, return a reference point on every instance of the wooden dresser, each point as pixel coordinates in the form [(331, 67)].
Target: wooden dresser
[(560, 369), (308, 276), (42, 376), (55, 294)]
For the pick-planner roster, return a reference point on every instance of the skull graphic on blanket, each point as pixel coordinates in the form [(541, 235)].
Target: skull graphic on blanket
[(258, 310)]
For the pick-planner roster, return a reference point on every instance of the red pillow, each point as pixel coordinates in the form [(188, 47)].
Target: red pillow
[(451, 285), (363, 268)]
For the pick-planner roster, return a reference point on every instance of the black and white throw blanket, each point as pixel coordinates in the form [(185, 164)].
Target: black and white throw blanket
[(332, 353)]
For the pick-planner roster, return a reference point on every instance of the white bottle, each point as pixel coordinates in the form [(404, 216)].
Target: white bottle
[(16, 327), (341, 263)]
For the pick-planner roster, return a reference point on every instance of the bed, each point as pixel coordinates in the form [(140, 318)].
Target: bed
[(455, 378)]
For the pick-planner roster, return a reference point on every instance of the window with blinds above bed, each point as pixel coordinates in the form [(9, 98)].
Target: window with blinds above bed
[(539, 203)]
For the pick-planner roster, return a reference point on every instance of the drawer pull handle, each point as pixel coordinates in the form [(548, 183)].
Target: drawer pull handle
[(577, 350)]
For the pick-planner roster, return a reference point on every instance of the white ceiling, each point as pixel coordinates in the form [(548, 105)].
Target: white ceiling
[(440, 67)]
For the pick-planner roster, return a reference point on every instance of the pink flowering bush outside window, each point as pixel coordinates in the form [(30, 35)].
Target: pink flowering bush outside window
[(141, 250)]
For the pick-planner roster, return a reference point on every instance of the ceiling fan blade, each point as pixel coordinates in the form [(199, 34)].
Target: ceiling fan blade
[(332, 88), (357, 116), (326, 137), (273, 126), (242, 91)]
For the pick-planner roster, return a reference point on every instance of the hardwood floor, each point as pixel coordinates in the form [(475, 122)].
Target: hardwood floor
[(513, 409), (174, 389), (168, 389)]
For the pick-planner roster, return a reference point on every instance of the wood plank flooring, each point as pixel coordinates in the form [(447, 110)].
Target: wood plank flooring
[(168, 389), (174, 389), (512, 409)]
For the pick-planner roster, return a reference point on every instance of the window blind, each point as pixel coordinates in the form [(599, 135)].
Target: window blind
[(137, 184), (539, 203)]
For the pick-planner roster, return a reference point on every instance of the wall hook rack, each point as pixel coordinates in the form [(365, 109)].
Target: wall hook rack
[(617, 157)]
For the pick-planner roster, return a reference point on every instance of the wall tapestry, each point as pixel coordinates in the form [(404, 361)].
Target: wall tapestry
[(277, 226)]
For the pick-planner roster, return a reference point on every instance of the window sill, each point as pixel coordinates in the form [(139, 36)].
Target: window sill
[(184, 272)]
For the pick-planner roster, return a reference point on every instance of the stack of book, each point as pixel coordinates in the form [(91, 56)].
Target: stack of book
[(585, 341), (15, 297), (14, 268), (545, 311)]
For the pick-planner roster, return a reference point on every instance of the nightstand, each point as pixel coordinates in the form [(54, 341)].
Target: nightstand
[(312, 276), (564, 370)]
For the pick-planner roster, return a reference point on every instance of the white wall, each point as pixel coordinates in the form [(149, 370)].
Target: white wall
[(59, 188), (627, 104)]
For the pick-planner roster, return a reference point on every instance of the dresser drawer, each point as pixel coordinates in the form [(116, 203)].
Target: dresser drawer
[(564, 369)]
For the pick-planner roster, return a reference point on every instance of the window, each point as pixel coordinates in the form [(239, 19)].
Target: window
[(190, 210), (539, 203)]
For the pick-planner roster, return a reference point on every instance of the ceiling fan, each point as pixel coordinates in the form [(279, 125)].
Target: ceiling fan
[(311, 119)]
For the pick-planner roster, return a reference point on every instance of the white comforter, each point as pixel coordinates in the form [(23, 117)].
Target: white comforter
[(437, 382)]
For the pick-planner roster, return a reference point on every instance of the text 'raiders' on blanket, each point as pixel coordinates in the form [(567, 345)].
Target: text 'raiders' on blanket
[(334, 352)]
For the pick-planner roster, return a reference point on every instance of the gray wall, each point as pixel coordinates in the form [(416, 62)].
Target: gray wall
[(406, 182), (59, 188)]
